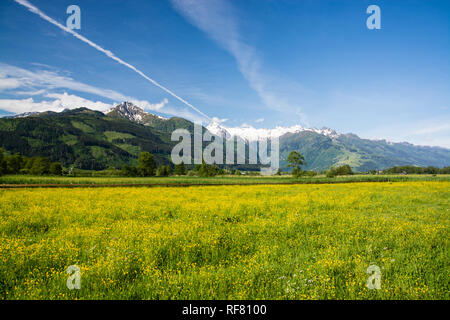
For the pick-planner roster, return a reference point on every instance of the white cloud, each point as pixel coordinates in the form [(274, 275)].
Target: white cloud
[(61, 101), (70, 101), (155, 106), (259, 120), (218, 120), (58, 104), (31, 92), (19, 81), (8, 83)]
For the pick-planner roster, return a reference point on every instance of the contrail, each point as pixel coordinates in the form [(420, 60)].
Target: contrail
[(35, 10)]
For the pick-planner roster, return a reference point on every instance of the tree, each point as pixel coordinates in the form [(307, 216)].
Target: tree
[(296, 160), (311, 173), (206, 170), (14, 163), (168, 170), (331, 173), (146, 166), (339, 171), (128, 171), (1, 161), (41, 166), (180, 169), (344, 170), (161, 171), (29, 163), (55, 169)]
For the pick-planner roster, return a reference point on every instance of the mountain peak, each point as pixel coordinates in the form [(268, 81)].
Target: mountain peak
[(250, 133), (22, 115), (129, 111)]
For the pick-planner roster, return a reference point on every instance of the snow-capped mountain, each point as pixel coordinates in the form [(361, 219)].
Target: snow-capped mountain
[(322, 148), (132, 112), (129, 111), (250, 133), (22, 115)]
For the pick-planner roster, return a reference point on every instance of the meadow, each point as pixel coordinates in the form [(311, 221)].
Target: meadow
[(306, 241), (218, 180)]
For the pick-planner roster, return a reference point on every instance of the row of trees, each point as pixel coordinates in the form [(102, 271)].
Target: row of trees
[(207, 170), (147, 167), (19, 164), (417, 170), (339, 171), (296, 160)]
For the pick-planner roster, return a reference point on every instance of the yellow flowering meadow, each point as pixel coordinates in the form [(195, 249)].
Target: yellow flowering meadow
[(227, 242)]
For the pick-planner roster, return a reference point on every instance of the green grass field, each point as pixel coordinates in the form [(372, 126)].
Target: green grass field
[(174, 180), (310, 241)]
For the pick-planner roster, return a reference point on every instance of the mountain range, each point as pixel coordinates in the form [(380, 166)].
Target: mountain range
[(90, 139)]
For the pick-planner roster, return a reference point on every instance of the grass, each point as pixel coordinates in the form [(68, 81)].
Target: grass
[(219, 180), (306, 241)]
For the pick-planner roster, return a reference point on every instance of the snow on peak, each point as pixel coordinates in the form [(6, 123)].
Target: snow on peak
[(326, 132), (251, 134), (22, 115), (215, 128), (132, 112)]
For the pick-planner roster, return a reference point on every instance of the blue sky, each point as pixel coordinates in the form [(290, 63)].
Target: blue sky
[(263, 63)]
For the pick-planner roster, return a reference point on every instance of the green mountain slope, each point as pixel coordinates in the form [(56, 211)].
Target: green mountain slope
[(322, 151), (85, 138), (92, 140)]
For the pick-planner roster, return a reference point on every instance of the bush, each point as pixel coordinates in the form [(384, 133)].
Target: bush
[(206, 170), (14, 163), (55, 169), (19, 164), (339, 171), (41, 166), (344, 170), (236, 172), (416, 170), (190, 173), (1, 161), (180, 169), (161, 171), (128, 171), (297, 172), (310, 173), (331, 173)]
